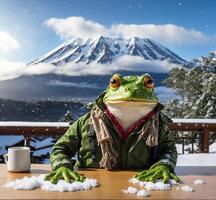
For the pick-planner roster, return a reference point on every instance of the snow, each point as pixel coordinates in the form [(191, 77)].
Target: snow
[(212, 148), (133, 190), (134, 181), (142, 193), (130, 190), (66, 124), (187, 148), (150, 186), (30, 183), (198, 121), (187, 188), (33, 124), (157, 186), (199, 182), (197, 159), (94, 46)]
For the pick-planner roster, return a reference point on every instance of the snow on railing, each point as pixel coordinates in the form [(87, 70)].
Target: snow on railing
[(33, 124), (198, 121)]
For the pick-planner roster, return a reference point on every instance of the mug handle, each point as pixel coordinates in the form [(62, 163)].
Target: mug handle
[(5, 158)]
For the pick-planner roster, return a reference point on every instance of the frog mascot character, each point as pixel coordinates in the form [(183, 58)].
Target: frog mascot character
[(125, 129)]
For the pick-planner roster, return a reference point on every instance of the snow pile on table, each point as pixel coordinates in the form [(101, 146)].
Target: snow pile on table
[(158, 185), (149, 186), (24, 183), (199, 182), (142, 193), (187, 188), (30, 183), (133, 190)]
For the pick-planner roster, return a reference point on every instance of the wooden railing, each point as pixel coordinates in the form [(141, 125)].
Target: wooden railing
[(29, 129), (203, 126)]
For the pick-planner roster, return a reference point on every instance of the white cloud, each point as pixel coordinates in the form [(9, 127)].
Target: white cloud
[(82, 69), (41, 68), (76, 26), (73, 84), (9, 70), (138, 63), (165, 33), (124, 63), (7, 42)]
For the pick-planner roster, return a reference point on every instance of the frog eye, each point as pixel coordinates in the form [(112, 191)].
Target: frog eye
[(148, 82), (115, 82)]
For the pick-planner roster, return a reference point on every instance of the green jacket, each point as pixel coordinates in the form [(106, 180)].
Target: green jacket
[(132, 154)]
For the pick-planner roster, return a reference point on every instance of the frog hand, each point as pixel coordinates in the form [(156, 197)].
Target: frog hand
[(157, 172), (65, 173)]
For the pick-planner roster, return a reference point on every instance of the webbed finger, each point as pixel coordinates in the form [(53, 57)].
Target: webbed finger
[(165, 176), (176, 178), (155, 176), (49, 176), (143, 177), (66, 176), (74, 175), (56, 178), (141, 173)]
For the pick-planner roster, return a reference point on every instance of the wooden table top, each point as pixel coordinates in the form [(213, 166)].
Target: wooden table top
[(112, 182)]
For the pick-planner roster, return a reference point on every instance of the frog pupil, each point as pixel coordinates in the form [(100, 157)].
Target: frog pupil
[(150, 81), (113, 81)]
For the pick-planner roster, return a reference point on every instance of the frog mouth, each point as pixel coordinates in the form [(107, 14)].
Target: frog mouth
[(132, 102)]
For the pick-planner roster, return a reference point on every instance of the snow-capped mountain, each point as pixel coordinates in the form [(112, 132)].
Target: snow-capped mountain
[(107, 49), (63, 82)]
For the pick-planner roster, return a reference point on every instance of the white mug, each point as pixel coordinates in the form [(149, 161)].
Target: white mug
[(18, 159)]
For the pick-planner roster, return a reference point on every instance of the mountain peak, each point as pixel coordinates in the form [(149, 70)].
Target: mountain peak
[(106, 49)]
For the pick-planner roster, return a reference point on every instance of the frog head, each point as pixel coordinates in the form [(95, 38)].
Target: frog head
[(130, 98), (131, 88)]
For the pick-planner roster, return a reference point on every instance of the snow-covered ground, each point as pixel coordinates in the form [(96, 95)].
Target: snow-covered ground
[(197, 159), (33, 124)]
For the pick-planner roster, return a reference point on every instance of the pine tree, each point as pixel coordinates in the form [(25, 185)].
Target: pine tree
[(196, 90)]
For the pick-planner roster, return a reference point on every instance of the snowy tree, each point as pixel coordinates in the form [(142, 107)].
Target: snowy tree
[(197, 90), (67, 117)]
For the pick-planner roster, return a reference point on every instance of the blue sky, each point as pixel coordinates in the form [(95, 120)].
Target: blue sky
[(25, 21)]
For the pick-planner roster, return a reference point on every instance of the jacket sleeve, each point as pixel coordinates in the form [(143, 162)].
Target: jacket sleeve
[(67, 146), (167, 153)]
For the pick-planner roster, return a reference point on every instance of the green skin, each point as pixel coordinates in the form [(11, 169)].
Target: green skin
[(131, 88)]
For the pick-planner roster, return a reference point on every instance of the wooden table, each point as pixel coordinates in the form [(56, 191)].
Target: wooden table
[(112, 182)]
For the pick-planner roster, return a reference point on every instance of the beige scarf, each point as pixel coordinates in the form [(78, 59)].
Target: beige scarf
[(104, 138)]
